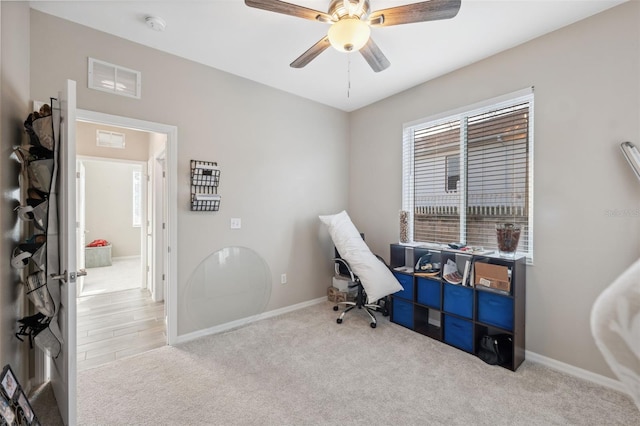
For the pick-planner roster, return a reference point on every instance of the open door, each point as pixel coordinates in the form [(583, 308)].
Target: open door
[(148, 232), (63, 368), (81, 232)]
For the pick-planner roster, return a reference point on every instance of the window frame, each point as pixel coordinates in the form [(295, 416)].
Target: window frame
[(461, 114)]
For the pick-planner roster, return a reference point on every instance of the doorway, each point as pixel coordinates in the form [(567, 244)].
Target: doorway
[(169, 159), (110, 206), (124, 320)]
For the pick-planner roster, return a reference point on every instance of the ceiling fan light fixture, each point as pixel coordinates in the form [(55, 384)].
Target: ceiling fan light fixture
[(349, 34)]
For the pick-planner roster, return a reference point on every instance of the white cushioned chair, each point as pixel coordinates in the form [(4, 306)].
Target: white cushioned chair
[(368, 272)]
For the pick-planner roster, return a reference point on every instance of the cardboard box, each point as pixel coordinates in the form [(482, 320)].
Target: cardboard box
[(492, 276), (341, 283)]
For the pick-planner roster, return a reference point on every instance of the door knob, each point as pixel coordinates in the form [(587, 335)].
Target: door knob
[(62, 276), (69, 277)]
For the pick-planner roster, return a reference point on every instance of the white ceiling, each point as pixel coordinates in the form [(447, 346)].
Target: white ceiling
[(260, 45)]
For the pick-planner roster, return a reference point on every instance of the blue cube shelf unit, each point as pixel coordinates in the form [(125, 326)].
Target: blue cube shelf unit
[(454, 314)]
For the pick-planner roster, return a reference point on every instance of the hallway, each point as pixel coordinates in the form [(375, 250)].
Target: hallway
[(116, 325)]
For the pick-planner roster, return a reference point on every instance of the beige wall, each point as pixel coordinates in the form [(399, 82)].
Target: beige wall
[(283, 158), (109, 206), (14, 109), (136, 143), (587, 101)]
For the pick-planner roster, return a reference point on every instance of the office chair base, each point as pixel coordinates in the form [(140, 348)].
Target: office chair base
[(369, 308)]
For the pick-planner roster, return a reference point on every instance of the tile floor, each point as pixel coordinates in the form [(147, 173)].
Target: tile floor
[(118, 324)]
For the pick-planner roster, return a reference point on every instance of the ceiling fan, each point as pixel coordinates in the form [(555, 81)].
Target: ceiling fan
[(351, 22)]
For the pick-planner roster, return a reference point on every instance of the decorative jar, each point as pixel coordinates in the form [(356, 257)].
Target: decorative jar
[(508, 235)]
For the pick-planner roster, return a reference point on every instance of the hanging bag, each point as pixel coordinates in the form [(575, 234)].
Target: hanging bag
[(38, 293)]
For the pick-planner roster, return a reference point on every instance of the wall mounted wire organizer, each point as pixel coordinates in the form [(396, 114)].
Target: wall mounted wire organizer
[(205, 177)]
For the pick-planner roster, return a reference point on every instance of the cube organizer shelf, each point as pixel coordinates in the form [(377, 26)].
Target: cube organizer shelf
[(205, 178), (455, 314)]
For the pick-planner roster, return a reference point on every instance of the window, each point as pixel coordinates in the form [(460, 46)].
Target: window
[(464, 172), (453, 173), (137, 198)]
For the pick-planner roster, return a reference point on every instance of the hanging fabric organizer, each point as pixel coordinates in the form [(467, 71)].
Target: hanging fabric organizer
[(37, 256)]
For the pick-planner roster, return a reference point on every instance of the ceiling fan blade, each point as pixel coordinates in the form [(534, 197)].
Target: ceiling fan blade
[(432, 10), (374, 56), (311, 54), (289, 9)]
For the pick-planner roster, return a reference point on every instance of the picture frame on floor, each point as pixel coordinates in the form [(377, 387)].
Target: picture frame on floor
[(7, 416), (8, 382), (26, 413)]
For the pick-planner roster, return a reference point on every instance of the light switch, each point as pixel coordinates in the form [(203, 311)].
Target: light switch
[(236, 223)]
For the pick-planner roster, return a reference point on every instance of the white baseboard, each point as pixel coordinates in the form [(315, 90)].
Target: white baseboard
[(125, 257), (576, 371), (244, 321)]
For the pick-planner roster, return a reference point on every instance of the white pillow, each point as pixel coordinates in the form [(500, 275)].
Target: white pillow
[(376, 278)]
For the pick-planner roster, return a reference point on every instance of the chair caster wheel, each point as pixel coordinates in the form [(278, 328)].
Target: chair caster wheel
[(339, 320), (373, 325), (335, 308)]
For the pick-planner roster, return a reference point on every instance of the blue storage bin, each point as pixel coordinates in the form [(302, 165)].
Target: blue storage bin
[(494, 309), (429, 292), (458, 333), (458, 300), (406, 281), (402, 313)]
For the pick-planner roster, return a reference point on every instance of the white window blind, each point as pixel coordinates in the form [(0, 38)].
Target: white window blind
[(467, 171)]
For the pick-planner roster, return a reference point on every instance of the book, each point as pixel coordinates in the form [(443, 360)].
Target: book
[(465, 274)]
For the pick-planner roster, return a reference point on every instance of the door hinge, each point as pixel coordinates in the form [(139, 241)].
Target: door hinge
[(164, 225), (148, 268), (77, 175), (164, 174), (162, 277)]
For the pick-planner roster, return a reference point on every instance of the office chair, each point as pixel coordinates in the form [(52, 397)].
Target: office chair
[(342, 269)]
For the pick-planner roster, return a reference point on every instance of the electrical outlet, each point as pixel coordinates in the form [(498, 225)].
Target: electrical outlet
[(236, 223), (283, 279)]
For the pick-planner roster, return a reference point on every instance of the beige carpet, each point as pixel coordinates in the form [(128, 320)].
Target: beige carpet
[(304, 369)]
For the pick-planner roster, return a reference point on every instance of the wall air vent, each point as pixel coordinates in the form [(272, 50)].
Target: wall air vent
[(107, 139), (114, 79)]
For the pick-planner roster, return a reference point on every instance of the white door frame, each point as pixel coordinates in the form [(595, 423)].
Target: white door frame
[(158, 230), (171, 158), (80, 224)]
